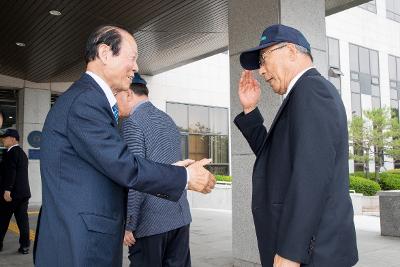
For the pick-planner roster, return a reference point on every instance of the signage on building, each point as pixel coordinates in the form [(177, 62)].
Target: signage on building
[(34, 138)]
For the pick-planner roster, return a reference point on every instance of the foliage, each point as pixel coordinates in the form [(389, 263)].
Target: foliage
[(364, 186), (390, 181), (373, 137), (223, 178)]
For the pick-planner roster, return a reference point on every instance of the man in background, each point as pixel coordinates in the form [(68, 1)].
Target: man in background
[(14, 189), (157, 230)]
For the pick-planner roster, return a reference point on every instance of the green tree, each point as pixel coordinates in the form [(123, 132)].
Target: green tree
[(373, 137)]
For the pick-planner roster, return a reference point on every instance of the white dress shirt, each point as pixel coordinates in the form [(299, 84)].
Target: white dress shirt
[(105, 87), (295, 79), (12, 147)]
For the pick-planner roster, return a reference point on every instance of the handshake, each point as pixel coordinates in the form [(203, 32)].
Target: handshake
[(200, 179)]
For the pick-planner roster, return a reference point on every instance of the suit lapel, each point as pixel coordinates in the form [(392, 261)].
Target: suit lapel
[(310, 72), (87, 78)]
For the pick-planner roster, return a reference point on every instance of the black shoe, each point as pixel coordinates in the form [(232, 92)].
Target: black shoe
[(23, 250), (1, 247)]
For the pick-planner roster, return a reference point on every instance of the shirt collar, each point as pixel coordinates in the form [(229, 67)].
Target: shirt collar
[(105, 87), (137, 105), (295, 79), (12, 147)]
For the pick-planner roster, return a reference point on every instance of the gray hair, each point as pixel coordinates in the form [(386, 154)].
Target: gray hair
[(304, 50)]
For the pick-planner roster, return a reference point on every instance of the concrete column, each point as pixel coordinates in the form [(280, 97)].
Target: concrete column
[(33, 106), (247, 20)]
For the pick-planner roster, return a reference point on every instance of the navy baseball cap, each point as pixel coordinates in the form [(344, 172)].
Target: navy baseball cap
[(138, 79), (275, 34), (11, 133)]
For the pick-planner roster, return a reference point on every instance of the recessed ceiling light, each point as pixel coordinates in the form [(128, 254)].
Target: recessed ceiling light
[(20, 44), (55, 12), (10, 117)]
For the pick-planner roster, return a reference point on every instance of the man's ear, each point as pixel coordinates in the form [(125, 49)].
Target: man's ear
[(292, 51), (104, 53)]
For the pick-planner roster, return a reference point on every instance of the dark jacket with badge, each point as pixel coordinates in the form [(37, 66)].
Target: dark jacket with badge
[(301, 205)]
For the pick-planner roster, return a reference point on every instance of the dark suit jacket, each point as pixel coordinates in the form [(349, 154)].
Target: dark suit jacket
[(301, 204), (86, 168), (14, 173)]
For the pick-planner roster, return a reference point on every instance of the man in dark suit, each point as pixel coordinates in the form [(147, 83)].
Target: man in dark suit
[(14, 189), (157, 230), (86, 166), (301, 205)]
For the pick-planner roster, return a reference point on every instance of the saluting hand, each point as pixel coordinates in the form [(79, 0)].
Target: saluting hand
[(249, 91)]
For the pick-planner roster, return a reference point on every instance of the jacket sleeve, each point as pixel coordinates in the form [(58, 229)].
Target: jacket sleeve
[(252, 127), (92, 133), (11, 170), (313, 132), (135, 140)]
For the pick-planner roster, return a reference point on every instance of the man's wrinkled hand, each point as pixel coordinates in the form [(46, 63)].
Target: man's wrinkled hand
[(184, 163), (7, 196), (129, 239), (282, 262), (200, 180), (249, 91)]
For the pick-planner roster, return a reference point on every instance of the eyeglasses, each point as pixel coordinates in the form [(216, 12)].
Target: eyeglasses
[(261, 61)]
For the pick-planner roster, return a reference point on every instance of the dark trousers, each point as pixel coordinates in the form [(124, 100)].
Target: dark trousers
[(170, 249), (18, 207)]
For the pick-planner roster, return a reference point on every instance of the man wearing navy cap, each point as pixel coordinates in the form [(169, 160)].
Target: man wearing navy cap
[(157, 230), (301, 206), (14, 189)]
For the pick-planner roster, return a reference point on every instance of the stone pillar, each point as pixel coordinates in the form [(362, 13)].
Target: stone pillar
[(247, 20), (389, 206), (33, 106)]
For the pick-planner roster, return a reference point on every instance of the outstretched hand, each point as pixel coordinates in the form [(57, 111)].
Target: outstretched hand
[(201, 180), (184, 163)]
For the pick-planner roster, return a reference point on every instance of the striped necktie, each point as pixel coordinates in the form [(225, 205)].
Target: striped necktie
[(115, 112)]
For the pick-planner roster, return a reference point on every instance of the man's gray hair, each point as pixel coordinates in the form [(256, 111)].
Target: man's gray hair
[(303, 50)]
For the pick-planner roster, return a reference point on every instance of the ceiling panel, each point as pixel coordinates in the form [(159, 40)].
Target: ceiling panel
[(169, 33)]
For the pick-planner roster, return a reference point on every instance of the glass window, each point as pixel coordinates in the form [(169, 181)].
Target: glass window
[(333, 51), (393, 10), (376, 102), (370, 6), (356, 104), (398, 68), (219, 120), (204, 134), (199, 146), (198, 119), (393, 94), (336, 82), (219, 146), (365, 83), (355, 86), (374, 62), (184, 146), (354, 58), (392, 68), (364, 60), (364, 76), (375, 90), (179, 113)]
